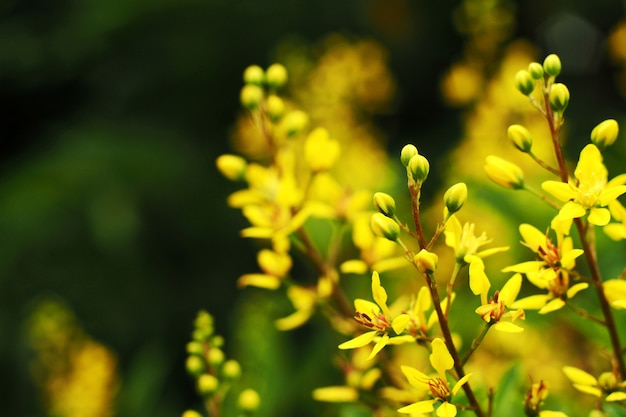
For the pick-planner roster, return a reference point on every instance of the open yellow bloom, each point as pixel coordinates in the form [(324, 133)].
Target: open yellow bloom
[(441, 361), (465, 242), (378, 317), (591, 192), (551, 258), (551, 271), (494, 309)]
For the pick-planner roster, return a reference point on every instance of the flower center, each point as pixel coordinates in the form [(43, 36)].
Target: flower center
[(439, 388), (375, 321)]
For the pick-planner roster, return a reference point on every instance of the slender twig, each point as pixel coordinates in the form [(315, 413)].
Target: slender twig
[(543, 164), (477, 342), (585, 314)]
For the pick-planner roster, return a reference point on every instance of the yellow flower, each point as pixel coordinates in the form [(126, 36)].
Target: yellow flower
[(606, 385), (378, 317), (617, 231), (441, 361), (465, 242), (591, 192), (615, 293), (552, 258), (320, 151), (551, 271), (494, 309)]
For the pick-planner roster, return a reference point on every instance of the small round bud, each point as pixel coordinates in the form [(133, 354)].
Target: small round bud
[(426, 262), (294, 122), (552, 65), (275, 108), (200, 335), (195, 365), (524, 82), (207, 384), (232, 167), (251, 96), (383, 226), (276, 76), (535, 70), (604, 134), (559, 97), (191, 413), (253, 75), (607, 381), (418, 168), (249, 400), (215, 356), (231, 369), (408, 152), (521, 138), (504, 173), (385, 204), (455, 197), (597, 413), (194, 348), (217, 340)]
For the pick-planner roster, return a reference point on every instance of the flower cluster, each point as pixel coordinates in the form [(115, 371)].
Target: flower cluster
[(291, 187), (213, 373)]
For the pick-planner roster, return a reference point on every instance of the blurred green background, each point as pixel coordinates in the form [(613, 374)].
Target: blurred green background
[(113, 113)]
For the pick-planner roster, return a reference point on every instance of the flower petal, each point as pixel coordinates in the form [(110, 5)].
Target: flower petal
[(572, 210), (551, 306), (616, 396), (575, 289), (446, 410), (508, 327), (509, 291), (382, 342), (440, 358), (460, 383), (379, 293), (400, 322), (418, 407), (578, 376), (560, 190), (532, 236), (599, 216), (336, 394), (415, 377), (533, 302), (359, 341)]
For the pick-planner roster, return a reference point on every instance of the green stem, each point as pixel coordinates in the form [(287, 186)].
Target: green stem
[(477, 342)]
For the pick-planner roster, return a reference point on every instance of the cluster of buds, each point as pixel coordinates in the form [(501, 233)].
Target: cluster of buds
[(213, 373)]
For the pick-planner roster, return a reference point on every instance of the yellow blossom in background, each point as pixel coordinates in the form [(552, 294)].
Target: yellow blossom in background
[(616, 231), (615, 292), (591, 192), (441, 361), (76, 375), (320, 151)]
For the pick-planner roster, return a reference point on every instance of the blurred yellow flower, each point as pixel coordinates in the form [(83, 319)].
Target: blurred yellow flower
[(465, 243)]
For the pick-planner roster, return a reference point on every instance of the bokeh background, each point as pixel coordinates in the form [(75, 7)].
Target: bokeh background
[(113, 217)]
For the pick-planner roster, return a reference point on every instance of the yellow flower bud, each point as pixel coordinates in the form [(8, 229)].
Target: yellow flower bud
[(520, 136), (191, 413), (559, 97), (418, 168), (408, 152), (294, 122), (607, 381), (426, 262), (385, 227), (195, 365), (604, 134), (232, 167), (275, 108), (215, 356), (249, 400), (455, 197), (251, 96), (552, 65), (231, 369), (524, 82), (194, 348), (253, 75), (207, 384), (385, 204), (504, 173), (276, 76), (535, 70)]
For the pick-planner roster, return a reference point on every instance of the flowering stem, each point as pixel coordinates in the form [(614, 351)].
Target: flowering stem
[(541, 196), (554, 134), (414, 189), (455, 273), (585, 314), (543, 164), (609, 320), (477, 342), (447, 335)]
